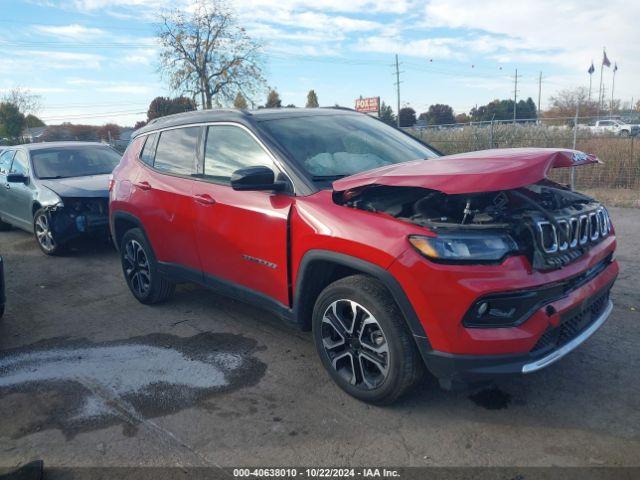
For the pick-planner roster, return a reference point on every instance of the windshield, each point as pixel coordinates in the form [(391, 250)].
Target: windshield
[(78, 161), (334, 146)]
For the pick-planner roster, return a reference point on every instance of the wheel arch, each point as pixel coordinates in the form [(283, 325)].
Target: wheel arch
[(121, 223), (319, 268)]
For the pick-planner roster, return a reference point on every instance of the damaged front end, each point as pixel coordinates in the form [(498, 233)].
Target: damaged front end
[(75, 217), (547, 222)]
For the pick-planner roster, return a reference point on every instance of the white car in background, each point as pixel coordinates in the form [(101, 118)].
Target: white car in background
[(617, 127)]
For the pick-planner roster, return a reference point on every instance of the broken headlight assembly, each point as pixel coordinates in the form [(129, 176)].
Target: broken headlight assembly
[(465, 246)]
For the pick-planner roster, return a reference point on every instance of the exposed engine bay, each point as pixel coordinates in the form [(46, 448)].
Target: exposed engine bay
[(78, 216), (550, 224)]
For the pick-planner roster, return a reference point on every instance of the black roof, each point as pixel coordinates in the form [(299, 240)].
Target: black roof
[(235, 115)]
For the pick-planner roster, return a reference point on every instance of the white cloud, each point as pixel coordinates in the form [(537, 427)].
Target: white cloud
[(73, 31)]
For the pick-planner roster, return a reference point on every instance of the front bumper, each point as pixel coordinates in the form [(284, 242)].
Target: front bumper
[(456, 372)]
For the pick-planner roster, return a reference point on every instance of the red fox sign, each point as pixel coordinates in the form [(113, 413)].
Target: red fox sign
[(368, 105)]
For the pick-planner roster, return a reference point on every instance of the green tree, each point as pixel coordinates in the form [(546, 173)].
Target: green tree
[(12, 122), (387, 115), (439, 114), (163, 106), (407, 117), (240, 102), (503, 110), (31, 121), (312, 99), (273, 100)]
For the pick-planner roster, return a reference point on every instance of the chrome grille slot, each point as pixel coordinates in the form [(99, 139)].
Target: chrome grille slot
[(564, 234), (574, 225), (584, 229), (594, 228), (548, 237)]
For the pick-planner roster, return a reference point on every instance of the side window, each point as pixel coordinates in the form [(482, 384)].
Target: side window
[(20, 164), (230, 148), (5, 161), (149, 149), (176, 151)]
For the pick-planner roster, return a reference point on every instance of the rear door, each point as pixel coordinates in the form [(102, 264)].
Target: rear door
[(162, 195), (241, 236)]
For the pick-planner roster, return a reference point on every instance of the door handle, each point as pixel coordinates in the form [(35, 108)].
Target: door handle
[(143, 185), (204, 199)]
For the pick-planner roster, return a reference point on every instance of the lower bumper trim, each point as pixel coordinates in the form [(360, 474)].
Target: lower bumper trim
[(565, 349)]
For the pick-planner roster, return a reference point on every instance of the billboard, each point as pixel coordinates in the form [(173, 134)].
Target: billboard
[(369, 105)]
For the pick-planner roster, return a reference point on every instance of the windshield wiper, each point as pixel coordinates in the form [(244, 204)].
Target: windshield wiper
[(327, 177), (55, 177)]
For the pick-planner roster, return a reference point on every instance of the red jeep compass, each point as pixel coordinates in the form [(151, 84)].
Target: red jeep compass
[(473, 265)]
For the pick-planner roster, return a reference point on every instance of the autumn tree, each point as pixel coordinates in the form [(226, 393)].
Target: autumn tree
[(109, 131), (240, 102), (163, 106), (463, 118), (139, 124), (273, 100), (565, 103), (26, 102), (207, 55), (312, 99)]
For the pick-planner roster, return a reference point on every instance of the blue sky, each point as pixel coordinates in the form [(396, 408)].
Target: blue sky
[(95, 61)]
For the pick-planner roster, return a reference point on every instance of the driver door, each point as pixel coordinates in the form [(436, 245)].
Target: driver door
[(19, 196)]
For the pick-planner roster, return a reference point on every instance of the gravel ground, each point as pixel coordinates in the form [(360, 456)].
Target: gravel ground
[(90, 377)]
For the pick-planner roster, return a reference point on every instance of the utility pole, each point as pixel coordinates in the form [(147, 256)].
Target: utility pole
[(398, 90), (539, 93), (515, 97)]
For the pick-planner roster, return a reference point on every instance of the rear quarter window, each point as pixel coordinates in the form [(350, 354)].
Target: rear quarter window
[(176, 151), (149, 150)]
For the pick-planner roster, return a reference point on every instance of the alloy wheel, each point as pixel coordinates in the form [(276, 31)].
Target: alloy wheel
[(355, 344), (136, 268), (44, 234)]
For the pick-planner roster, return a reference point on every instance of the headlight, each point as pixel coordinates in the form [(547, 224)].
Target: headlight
[(485, 246)]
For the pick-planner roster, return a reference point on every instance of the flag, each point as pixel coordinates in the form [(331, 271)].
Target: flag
[(605, 59), (615, 67), (591, 69)]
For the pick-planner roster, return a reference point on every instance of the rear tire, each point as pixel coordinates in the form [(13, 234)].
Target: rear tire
[(363, 342), (44, 234), (140, 269)]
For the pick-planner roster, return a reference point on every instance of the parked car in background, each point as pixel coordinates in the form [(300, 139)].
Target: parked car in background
[(58, 190), (616, 127), (474, 265)]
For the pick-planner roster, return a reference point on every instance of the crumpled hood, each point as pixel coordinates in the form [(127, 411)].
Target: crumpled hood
[(482, 171), (94, 186)]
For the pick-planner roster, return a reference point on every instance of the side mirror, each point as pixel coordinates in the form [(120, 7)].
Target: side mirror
[(17, 178), (255, 178)]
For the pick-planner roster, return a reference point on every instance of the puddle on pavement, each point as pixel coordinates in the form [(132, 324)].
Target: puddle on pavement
[(78, 385), (491, 399)]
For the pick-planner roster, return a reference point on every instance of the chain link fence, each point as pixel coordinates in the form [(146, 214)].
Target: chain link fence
[(620, 154)]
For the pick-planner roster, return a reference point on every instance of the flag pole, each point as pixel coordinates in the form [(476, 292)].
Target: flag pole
[(613, 84), (600, 90), (590, 81)]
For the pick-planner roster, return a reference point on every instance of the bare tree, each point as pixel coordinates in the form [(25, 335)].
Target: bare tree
[(208, 56), (27, 102)]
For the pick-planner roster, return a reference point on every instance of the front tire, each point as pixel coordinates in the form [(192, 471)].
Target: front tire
[(43, 231), (140, 269), (363, 342)]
